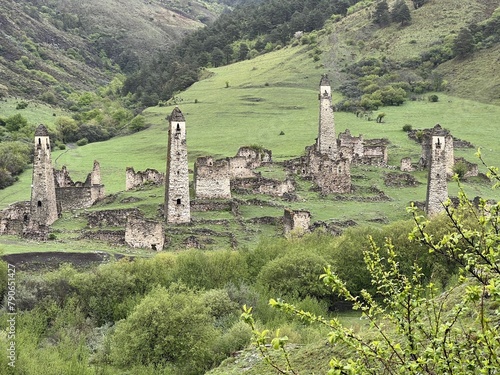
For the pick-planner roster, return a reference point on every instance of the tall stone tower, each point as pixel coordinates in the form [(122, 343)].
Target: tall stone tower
[(326, 142), (177, 206), (43, 206), (437, 188)]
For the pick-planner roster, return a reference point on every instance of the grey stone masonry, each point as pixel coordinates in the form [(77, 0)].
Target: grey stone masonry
[(326, 142), (177, 206), (144, 233), (296, 221), (43, 204), (212, 178), (437, 188), (427, 148), (149, 176)]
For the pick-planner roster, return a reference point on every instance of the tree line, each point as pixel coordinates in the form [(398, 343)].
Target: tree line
[(264, 26)]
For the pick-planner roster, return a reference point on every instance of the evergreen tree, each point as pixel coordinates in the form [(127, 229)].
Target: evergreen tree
[(400, 12), (464, 44), (382, 16)]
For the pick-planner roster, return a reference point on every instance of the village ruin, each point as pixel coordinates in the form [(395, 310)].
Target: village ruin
[(327, 163)]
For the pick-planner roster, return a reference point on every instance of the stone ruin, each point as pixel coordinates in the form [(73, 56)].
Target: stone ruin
[(425, 138), (296, 221), (215, 179), (76, 195), (438, 159), (142, 233), (328, 162), (52, 192), (363, 152), (212, 178), (177, 204), (137, 179)]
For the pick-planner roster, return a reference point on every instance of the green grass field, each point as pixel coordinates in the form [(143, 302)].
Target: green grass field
[(251, 103)]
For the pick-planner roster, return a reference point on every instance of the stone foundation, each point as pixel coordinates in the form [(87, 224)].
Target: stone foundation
[(142, 233)]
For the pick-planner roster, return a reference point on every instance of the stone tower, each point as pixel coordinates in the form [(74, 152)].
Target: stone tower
[(326, 142), (437, 188), (177, 206), (43, 205)]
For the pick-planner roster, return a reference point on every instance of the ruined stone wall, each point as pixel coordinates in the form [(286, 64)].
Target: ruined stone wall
[(261, 185), (246, 160), (240, 168), (14, 218), (296, 221), (472, 169), (258, 156), (142, 233), (331, 175), (77, 197), (62, 177), (136, 179), (212, 178), (375, 152), (351, 147), (406, 165), (437, 189), (110, 218), (114, 237)]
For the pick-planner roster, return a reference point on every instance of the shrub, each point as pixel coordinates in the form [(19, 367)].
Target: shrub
[(460, 169), (407, 128), (82, 142), (22, 105), (433, 98), (169, 326)]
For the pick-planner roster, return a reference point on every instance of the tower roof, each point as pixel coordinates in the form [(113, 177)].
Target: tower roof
[(439, 131), (41, 131), (177, 115), (324, 80)]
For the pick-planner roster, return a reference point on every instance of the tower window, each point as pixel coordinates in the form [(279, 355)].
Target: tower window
[(39, 204), (40, 141), (178, 128), (178, 200)]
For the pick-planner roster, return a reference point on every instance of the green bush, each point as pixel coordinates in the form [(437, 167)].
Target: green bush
[(168, 327), (22, 105), (407, 128), (433, 98), (294, 276), (460, 169), (82, 142)]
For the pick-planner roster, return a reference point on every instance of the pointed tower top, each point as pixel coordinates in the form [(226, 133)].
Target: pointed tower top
[(177, 115), (41, 131), (324, 80), (439, 131)]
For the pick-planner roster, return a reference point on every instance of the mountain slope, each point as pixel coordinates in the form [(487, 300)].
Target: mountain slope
[(68, 45), (422, 48)]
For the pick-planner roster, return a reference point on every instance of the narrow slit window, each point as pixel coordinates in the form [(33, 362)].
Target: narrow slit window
[(39, 204), (178, 201)]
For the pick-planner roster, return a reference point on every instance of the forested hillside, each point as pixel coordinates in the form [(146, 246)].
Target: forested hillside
[(74, 45)]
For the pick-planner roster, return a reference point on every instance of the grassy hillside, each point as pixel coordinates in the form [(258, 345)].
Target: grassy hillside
[(271, 101), (251, 103), (435, 25)]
